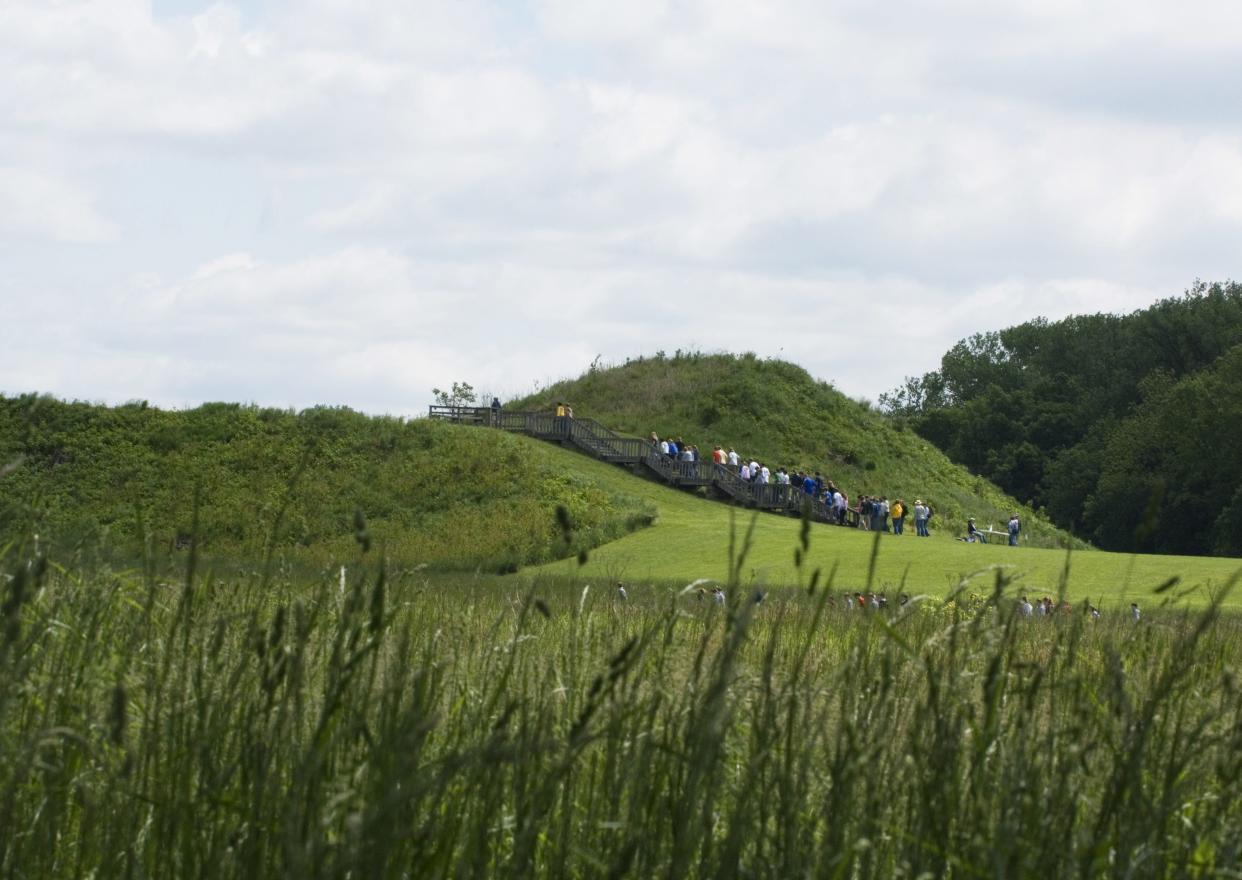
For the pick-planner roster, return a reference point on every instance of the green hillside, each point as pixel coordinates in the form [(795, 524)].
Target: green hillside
[(776, 412), (85, 475)]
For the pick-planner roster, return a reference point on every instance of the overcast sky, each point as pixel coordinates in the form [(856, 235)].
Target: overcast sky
[(347, 202)]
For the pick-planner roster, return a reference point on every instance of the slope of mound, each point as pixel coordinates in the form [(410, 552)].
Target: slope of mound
[(448, 496), (777, 413)]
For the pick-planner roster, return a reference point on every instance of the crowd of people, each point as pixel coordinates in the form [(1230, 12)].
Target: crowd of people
[(869, 513), (1045, 607)]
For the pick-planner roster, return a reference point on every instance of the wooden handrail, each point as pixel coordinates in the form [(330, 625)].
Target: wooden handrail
[(602, 443)]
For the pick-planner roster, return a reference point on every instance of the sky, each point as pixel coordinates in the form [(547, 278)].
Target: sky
[(351, 203)]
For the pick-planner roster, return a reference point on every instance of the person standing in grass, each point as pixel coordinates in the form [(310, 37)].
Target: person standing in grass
[(1014, 528), (920, 518), (1135, 614), (1025, 607), (899, 517)]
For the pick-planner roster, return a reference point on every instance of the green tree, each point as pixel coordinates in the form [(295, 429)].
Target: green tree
[(461, 394), (1045, 410)]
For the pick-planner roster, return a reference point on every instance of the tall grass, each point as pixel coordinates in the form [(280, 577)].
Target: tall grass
[(416, 725)]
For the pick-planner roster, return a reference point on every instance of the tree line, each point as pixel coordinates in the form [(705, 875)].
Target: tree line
[(1126, 429)]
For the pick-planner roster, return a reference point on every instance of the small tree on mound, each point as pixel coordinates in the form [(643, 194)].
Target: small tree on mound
[(461, 394)]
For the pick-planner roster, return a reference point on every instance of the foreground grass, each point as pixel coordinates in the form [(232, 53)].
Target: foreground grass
[(402, 724)]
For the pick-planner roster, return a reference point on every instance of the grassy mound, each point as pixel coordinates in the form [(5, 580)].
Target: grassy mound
[(429, 493), (776, 412)]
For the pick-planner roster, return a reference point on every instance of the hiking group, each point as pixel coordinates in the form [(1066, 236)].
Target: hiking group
[(869, 513)]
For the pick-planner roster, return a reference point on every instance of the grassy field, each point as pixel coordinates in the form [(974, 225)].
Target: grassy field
[(407, 724), (690, 540), (214, 711)]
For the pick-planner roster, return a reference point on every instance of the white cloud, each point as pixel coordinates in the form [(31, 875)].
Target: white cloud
[(789, 177), (32, 203)]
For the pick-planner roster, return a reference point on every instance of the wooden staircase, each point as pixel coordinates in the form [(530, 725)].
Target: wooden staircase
[(599, 442)]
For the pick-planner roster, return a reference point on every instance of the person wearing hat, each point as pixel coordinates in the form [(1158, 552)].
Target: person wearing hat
[(972, 532), (920, 518)]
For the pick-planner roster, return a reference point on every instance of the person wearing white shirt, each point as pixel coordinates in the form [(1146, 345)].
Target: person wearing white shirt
[(732, 458)]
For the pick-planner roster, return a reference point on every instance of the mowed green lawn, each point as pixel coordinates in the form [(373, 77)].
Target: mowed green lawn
[(690, 540)]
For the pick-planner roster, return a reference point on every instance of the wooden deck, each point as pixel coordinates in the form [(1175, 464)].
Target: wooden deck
[(599, 442)]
